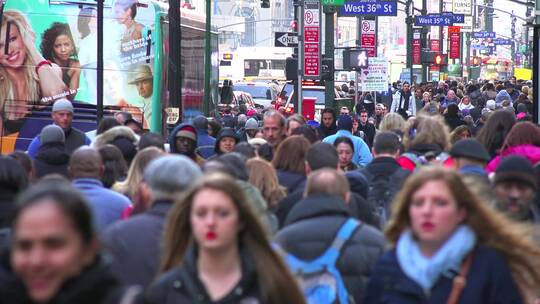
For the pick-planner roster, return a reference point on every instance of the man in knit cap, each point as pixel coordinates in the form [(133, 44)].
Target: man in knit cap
[(62, 115), (51, 156), (515, 189)]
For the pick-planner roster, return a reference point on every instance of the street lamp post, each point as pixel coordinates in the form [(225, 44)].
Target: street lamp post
[(207, 56)]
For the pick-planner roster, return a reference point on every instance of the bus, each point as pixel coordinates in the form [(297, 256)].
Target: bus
[(50, 51), (254, 64)]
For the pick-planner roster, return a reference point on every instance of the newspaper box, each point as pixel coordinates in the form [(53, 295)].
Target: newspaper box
[(308, 108)]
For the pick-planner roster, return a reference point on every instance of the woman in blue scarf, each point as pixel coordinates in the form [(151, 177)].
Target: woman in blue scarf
[(437, 224)]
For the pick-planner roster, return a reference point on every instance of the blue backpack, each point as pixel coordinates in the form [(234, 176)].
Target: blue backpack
[(320, 279)]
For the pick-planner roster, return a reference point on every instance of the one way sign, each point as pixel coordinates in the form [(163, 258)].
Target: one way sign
[(285, 39)]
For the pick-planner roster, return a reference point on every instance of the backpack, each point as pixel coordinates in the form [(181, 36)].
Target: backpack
[(382, 189), (320, 279)]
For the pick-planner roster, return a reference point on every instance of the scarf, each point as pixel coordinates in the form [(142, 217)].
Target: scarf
[(426, 271)]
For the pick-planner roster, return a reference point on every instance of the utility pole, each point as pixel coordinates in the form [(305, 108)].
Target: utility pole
[(409, 22), (207, 58), (425, 44), (329, 11), (513, 31)]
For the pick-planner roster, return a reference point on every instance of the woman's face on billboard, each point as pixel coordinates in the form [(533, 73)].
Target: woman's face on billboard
[(63, 47), (16, 52)]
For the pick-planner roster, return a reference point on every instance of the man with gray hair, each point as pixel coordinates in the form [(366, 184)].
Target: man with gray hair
[(135, 243)]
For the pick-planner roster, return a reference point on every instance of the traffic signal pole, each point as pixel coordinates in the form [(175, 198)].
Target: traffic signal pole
[(424, 42), (409, 22), (329, 11)]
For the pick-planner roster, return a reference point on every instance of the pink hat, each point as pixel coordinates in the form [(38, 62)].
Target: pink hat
[(251, 112)]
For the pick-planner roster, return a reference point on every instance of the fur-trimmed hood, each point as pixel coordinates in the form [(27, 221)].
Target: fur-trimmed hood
[(113, 133)]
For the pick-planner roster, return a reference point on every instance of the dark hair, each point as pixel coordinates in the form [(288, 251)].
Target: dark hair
[(49, 37), (307, 131), (522, 133), (322, 155), (329, 110), (85, 15), (114, 163), (232, 164), (151, 139), (291, 153), (25, 160), (345, 140), (125, 115), (72, 204), (245, 149), (105, 124), (215, 126), (494, 131), (386, 143), (13, 180)]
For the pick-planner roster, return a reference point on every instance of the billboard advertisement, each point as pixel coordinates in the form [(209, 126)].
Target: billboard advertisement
[(49, 51)]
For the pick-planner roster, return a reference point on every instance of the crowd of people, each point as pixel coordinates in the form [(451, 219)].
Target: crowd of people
[(428, 197)]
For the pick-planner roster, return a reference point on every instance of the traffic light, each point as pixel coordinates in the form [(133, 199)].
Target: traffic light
[(327, 69), (441, 59), (291, 68), (265, 3), (475, 61), (355, 59)]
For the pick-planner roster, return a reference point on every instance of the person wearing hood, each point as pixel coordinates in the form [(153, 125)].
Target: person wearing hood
[(502, 96), (62, 116), (328, 123), (249, 131), (226, 141), (123, 137), (51, 156), (183, 140), (205, 142)]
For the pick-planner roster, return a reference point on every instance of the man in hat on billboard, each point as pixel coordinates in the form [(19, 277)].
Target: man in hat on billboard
[(143, 80)]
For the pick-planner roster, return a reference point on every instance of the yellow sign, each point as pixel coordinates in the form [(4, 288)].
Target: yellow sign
[(523, 74)]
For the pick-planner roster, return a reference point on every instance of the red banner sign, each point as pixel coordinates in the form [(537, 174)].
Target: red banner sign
[(417, 48), (455, 41), (435, 45), (369, 38)]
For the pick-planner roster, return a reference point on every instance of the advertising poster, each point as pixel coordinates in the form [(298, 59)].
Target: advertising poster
[(51, 53)]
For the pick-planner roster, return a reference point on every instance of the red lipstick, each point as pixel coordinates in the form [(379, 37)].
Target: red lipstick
[(428, 226), (211, 235)]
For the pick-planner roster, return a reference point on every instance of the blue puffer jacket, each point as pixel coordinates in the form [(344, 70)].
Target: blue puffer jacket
[(489, 281)]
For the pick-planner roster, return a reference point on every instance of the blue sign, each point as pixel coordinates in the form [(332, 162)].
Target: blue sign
[(457, 18), (433, 20), (502, 41), (368, 8), (480, 35)]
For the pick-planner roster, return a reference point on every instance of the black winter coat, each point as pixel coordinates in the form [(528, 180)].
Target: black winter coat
[(182, 285), (311, 227), (135, 244), (95, 285), (51, 158), (489, 280), (291, 180)]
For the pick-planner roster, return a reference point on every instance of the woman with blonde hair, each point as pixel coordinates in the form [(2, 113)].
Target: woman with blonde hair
[(263, 176), (216, 251), (392, 122), (448, 246), (25, 76), (130, 186), (426, 139)]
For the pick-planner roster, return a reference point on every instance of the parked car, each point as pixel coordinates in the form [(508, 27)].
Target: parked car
[(263, 93)]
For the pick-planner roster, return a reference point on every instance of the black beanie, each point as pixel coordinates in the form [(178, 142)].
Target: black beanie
[(516, 168)]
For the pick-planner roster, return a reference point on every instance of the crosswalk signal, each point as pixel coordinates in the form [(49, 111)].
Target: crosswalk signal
[(475, 61), (441, 59), (265, 3)]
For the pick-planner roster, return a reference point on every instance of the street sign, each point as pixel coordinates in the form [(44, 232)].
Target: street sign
[(375, 77), (369, 8), (481, 35), (333, 2), (285, 39), (312, 39), (433, 20), (369, 37), (467, 26), (462, 7), (502, 41)]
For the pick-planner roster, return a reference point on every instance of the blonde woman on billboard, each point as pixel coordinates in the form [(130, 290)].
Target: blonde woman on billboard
[(26, 78)]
